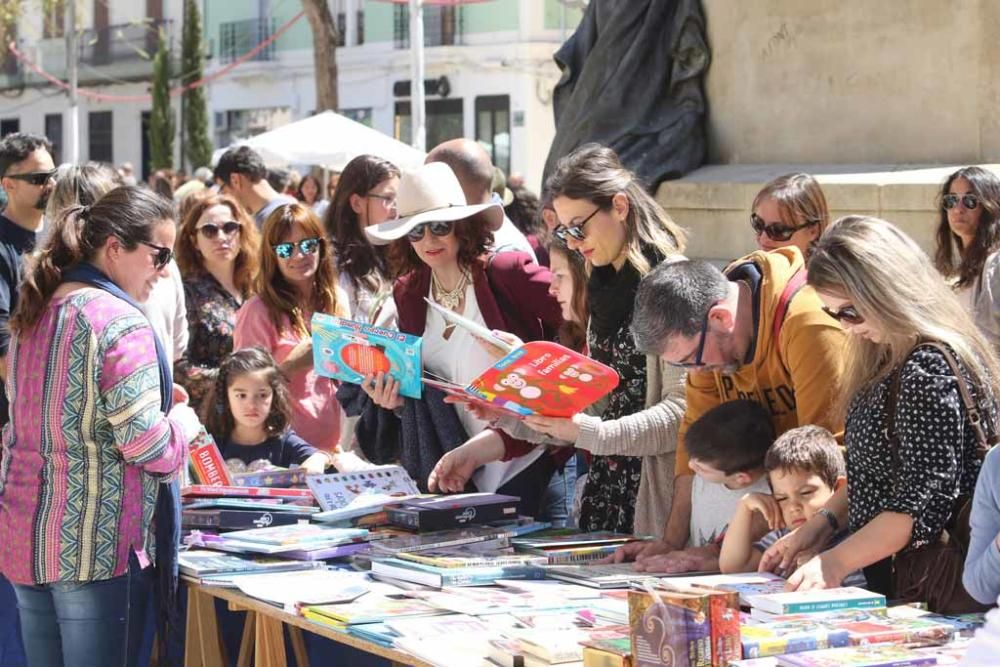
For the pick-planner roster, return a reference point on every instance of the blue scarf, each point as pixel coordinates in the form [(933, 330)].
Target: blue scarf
[(167, 518)]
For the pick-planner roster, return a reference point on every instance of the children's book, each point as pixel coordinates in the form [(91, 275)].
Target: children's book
[(205, 491), (766, 639), (670, 630), (348, 351), (199, 563), (299, 534), (452, 511), (438, 577), (539, 377), (435, 540), (807, 602), (746, 584), (600, 575), (379, 485), (464, 556), (373, 609), (207, 466), (276, 477), (320, 586), (883, 655)]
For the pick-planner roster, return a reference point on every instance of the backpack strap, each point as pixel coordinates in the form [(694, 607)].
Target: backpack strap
[(792, 287)]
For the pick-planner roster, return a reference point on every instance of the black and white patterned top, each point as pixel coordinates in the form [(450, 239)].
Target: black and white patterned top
[(937, 448)]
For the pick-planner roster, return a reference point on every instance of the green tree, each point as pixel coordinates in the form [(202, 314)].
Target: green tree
[(161, 118), (197, 145)]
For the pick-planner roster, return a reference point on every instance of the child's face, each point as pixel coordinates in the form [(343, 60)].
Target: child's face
[(250, 397), (799, 494), (712, 475)]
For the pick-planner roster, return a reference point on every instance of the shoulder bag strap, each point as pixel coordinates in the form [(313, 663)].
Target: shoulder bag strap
[(984, 439)]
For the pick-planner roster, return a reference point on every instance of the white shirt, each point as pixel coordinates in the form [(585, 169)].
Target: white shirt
[(167, 313), (461, 359), (713, 505)]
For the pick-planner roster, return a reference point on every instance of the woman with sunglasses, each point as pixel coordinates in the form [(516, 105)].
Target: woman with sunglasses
[(968, 238), (609, 218), (94, 439), (441, 246), (217, 250), (296, 279), (789, 211), (365, 196), (910, 442)]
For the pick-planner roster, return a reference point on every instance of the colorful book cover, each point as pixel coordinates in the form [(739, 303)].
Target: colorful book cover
[(896, 631), (207, 466), (671, 631), (768, 639), (724, 607), (805, 602), (465, 557), (882, 655), (199, 563), (746, 584), (348, 351), (300, 533), (443, 538), (203, 490), (278, 478), (339, 490)]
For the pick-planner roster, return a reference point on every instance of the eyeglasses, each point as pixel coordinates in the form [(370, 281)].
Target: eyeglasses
[(390, 202), (971, 202), (576, 231), (305, 246), (847, 314), (697, 363), (776, 231), (211, 231), (162, 257), (37, 178), (438, 228)]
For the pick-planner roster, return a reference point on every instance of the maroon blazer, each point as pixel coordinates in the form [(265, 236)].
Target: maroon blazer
[(513, 295)]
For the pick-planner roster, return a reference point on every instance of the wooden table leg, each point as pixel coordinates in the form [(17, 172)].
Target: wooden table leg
[(298, 646), (203, 646), (269, 642), (247, 641)]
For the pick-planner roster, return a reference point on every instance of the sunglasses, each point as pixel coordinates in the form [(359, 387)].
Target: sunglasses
[(34, 177), (576, 231), (438, 228), (971, 202), (848, 314), (776, 231), (211, 231), (162, 257), (697, 363), (305, 246)]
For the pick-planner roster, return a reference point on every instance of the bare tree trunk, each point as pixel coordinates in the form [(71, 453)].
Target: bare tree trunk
[(325, 38)]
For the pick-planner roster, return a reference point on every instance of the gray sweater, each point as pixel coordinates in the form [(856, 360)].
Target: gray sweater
[(649, 433), (982, 564)]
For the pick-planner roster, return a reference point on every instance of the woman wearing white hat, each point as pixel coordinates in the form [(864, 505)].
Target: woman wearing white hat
[(440, 247)]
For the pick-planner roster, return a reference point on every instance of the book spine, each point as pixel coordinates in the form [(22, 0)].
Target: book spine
[(725, 627), (485, 578), (829, 605), (244, 492)]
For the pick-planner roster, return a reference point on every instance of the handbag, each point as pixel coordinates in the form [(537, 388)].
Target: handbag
[(933, 573)]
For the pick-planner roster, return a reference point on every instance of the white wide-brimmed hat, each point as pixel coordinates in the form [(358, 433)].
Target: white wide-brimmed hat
[(432, 193)]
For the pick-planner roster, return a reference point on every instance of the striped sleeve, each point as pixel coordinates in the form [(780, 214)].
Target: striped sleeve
[(130, 391)]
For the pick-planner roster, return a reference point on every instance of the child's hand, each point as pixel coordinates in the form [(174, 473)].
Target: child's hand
[(316, 464), (767, 506)]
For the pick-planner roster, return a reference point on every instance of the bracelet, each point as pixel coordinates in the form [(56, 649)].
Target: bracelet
[(831, 519)]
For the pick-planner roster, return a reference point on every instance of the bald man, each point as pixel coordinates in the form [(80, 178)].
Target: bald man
[(474, 169)]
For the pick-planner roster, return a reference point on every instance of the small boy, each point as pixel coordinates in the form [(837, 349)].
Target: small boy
[(805, 468), (726, 447)]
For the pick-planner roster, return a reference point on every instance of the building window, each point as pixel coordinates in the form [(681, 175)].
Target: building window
[(443, 26), (361, 115), (54, 133), (341, 29), (235, 124), (54, 19), (493, 128), (361, 27), (238, 37), (99, 147), (9, 126), (444, 121)]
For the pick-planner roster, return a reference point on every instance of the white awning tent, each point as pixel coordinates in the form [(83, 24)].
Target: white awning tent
[(327, 140)]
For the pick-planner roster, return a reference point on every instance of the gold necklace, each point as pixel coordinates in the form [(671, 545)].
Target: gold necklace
[(449, 298)]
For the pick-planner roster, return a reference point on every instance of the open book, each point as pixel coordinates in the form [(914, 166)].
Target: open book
[(538, 377)]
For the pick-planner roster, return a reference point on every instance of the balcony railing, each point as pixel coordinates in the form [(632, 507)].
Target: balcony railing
[(238, 37), (123, 43), (443, 26)]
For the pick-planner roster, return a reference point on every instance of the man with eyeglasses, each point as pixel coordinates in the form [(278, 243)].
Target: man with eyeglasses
[(241, 174), (754, 331)]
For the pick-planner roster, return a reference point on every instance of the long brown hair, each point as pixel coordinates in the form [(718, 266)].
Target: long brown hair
[(280, 296), (189, 258), (474, 240), (966, 265), (216, 415), (128, 213), (573, 333)]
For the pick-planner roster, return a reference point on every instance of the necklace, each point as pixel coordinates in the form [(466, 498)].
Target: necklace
[(449, 298)]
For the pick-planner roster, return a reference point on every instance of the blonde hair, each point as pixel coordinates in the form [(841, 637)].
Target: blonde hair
[(894, 286)]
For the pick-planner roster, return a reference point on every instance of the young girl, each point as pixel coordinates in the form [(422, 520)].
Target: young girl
[(250, 415)]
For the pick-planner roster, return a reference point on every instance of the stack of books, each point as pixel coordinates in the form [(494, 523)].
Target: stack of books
[(212, 568), (302, 541), (766, 606), (451, 571), (570, 548)]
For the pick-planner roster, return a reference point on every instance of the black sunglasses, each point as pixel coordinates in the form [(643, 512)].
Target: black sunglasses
[(162, 257), (576, 231), (971, 202), (847, 314), (697, 363), (305, 246), (776, 231), (34, 177), (438, 228), (211, 231)]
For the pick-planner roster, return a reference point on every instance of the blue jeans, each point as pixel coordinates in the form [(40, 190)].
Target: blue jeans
[(557, 503), (98, 623)]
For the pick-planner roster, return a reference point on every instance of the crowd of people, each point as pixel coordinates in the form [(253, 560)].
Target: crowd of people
[(824, 407)]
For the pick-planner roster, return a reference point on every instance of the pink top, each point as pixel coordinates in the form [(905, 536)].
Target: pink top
[(316, 414)]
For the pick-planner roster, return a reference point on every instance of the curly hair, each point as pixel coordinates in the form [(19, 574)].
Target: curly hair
[(215, 412), (474, 240), (189, 258)]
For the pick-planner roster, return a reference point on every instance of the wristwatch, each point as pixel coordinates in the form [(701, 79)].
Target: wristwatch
[(831, 518)]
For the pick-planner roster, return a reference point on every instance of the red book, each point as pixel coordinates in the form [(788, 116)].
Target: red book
[(204, 490), (207, 465)]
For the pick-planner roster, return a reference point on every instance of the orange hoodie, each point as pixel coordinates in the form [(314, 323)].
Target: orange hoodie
[(795, 378)]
